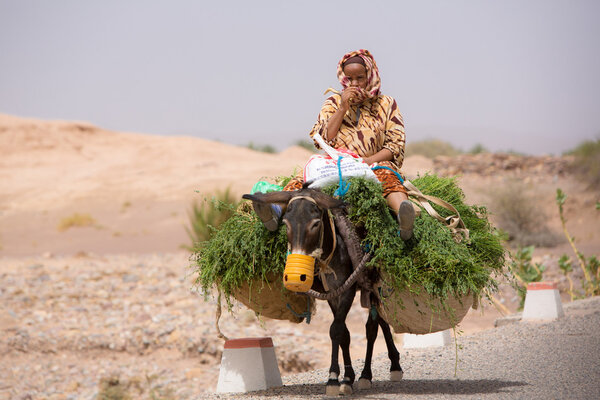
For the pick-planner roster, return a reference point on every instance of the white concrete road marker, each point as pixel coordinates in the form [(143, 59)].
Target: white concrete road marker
[(247, 365), (542, 302), (436, 339)]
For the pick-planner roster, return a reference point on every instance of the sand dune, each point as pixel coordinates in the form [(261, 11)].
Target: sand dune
[(53, 163)]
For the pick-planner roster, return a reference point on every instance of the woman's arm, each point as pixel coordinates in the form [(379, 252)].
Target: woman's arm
[(349, 95), (394, 134), (381, 155)]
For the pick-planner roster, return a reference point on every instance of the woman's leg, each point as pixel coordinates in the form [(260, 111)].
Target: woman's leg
[(394, 199), (397, 199)]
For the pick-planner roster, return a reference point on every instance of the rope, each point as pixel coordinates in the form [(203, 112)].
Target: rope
[(453, 222), (343, 189), (346, 285), (375, 168), (306, 314), (324, 264)]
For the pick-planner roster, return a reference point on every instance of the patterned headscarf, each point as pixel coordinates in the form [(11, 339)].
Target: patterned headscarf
[(373, 81)]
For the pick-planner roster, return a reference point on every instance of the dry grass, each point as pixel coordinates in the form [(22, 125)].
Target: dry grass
[(76, 221), (431, 148), (517, 212), (587, 162), (116, 388)]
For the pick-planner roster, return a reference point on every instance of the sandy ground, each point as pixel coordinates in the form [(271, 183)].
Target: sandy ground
[(139, 189)]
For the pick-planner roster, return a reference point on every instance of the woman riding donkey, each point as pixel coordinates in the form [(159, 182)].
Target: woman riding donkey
[(364, 121)]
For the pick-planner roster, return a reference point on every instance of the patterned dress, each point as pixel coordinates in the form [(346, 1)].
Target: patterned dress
[(366, 129)]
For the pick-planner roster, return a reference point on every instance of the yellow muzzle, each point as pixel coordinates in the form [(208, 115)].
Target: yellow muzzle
[(299, 272)]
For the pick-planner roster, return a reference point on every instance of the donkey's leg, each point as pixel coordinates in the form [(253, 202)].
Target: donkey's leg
[(366, 376), (333, 384), (345, 304), (340, 338), (349, 376), (396, 372)]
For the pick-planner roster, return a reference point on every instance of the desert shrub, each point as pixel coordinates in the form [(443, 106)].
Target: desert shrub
[(477, 149), (74, 221), (306, 144), (519, 215), (586, 164), (525, 271), (207, 216), (589, 266), (117, 388), (265, 148), (431, 148)]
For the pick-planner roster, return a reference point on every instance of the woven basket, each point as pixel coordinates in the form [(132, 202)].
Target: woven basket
[(270, 299), (420, 313)]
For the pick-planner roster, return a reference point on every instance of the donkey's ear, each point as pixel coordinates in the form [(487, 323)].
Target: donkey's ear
[(325, 201), (272, 197)]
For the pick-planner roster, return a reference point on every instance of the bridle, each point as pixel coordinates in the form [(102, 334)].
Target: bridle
[(318, 252), (358, 266)]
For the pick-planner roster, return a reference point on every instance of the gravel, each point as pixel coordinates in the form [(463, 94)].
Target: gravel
[(552, 360)]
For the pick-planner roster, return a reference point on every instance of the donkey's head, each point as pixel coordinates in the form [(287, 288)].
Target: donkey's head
[(304, 215)]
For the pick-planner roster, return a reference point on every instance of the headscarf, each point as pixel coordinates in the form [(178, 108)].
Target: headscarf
[(373, 81)]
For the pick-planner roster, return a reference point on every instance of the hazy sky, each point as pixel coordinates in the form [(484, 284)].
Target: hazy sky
[(511, 75)]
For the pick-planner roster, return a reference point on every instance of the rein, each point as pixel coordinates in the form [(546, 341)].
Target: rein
[(323, 264)]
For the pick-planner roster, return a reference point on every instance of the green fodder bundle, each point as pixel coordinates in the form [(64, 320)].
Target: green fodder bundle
[(432, 259), (242, 251)]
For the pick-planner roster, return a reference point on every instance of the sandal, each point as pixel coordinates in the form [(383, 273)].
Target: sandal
[(406, 219)]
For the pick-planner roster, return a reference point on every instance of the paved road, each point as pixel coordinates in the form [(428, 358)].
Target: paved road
[(555, 360)]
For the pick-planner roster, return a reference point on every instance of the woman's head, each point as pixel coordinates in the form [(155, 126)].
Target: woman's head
[(358, 69), (356, 73)]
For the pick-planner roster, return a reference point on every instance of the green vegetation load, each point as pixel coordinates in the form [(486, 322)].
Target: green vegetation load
[(242, 251)]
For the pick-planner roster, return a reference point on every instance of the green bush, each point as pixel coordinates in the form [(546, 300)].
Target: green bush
[(525, 271), (306, 144), (431, 148), (589, 266), (587, 162), (478, 149), (206, 217)]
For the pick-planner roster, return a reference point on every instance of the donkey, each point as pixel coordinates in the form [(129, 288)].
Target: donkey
[(310, 231)]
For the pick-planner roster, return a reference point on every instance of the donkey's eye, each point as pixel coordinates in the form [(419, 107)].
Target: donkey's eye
[(315, 225)]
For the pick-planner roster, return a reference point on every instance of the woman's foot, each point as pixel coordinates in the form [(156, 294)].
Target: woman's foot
[(406, 219)]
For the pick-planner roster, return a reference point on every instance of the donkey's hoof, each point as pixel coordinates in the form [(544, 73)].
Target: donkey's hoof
[(332, 390), (396, 376), (364, 383), (345, 388)]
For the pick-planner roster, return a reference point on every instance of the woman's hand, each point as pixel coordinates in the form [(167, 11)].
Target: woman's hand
[(381, 155), (352, 95), (368, 160)]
